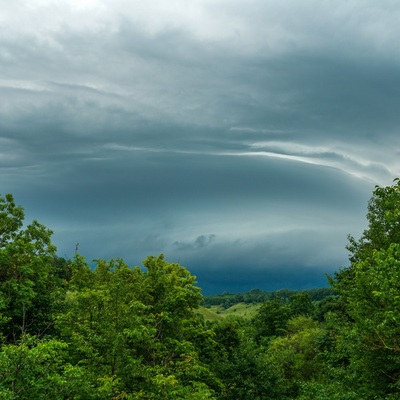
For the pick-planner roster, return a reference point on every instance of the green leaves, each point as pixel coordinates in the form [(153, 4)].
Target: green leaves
[(383, 218), (295, 357), (11, 219), (375, 300), (171, 286), (370, 293), (35, 369), (135, 331), (271, 319), (26, 273)]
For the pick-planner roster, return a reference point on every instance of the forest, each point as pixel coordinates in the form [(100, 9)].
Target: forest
[(71, 331)]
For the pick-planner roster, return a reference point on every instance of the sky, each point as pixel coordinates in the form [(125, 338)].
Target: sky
[(241, 139)]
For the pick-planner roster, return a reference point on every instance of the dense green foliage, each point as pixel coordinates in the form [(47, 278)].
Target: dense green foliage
[(69, 331)]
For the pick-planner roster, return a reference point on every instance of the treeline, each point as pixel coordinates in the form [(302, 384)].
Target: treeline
[(115, 332), (257, 296)]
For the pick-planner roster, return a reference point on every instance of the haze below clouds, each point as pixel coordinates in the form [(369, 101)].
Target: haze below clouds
[(241, 139)]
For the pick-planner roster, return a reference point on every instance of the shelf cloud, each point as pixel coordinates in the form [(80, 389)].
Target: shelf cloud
[(241, 139)]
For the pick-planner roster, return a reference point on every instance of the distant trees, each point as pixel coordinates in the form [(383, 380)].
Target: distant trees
[(255, 296)]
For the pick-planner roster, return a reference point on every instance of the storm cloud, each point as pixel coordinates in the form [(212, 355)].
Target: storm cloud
[(241, 139)]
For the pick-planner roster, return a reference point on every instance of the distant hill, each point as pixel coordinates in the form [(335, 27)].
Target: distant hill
[(257, 296), (216, 313)]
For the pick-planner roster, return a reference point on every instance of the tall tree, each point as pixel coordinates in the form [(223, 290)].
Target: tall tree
[(383, 216), (136, 331), (26, 273), (369, 291)]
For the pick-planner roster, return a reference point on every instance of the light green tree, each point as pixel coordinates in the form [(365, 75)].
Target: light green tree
[(27, 277), (369, 293), (136, 332), (295, 356), (37, 369)]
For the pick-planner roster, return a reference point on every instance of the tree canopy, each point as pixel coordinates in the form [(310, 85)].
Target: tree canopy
[(112, 331)]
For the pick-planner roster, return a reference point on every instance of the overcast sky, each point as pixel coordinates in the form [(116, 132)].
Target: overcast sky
[(241, 138)]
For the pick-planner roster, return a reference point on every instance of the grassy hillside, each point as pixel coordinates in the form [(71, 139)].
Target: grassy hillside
[(216, 313), (209, 315), (247, 304)]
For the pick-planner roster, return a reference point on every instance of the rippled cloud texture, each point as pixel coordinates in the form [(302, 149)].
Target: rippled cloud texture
[(242, 139)]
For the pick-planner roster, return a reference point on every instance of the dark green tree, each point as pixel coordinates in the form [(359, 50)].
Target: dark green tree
[(272, 318), (301, 304), (239, 363)]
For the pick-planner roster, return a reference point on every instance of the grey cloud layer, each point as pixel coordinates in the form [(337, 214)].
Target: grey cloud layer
[(228, 135)]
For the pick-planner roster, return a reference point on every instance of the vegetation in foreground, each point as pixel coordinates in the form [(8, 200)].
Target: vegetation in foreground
[(115, 332)]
